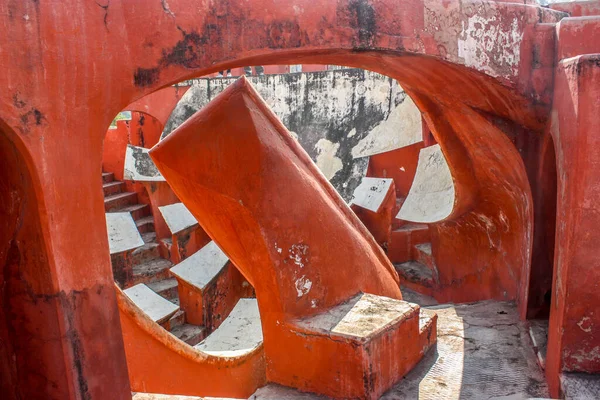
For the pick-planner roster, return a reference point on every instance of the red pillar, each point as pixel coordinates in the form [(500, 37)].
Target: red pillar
[(573, 339)]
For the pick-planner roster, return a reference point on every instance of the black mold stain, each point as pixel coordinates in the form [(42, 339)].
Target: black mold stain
[(360, 15), (145, 76), (33, 116), (308, 121), (140, 130), (18, 102)]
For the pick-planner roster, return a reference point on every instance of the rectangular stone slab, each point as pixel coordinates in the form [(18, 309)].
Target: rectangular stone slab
[(123, 234), (177, 217), (371, 193), (155, 306), (202, 267)]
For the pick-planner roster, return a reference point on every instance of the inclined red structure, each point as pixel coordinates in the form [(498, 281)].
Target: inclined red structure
[(484, 74)]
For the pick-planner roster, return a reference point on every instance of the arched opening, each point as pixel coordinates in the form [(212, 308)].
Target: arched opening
[(31, 357)]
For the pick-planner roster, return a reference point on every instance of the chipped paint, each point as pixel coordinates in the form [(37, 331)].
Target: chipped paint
[(486, 44), (298, 253), (303, 285)]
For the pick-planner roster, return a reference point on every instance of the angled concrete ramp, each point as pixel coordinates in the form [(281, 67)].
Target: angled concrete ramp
[(123, 234), (431, 196), (177, 217), (139, 166)]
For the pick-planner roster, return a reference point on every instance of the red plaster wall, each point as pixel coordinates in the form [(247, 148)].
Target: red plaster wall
[(389, 164), (113, 150), (578, 8), (145, 130), (573, 338)]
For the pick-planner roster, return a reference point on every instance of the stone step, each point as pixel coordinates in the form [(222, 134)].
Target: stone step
[(145, 224), (149, 237), (138, 211), (364, 336), (167, 288), (108, 177), (113, 187), (151, 271), (190, 334), (209, 286), (147, 252), (119, 200), (403, 240), (424, 255), (416, 276), (176, 320), (156, 307)]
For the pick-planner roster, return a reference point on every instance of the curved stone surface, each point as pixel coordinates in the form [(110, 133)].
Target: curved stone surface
[(431, 196), (149, 346)]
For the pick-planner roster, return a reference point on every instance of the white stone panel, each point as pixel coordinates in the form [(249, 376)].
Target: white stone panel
[(178, 217), (155, 306), (431, 196), (123, 234), (202, 267), (371, 192)]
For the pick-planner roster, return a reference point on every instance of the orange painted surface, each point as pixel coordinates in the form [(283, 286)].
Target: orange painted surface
[(187, 243), (160, 194), (400, 165), (158, 362), (295, 267), (113, 151), (145, 130), (159, 104), (573, 340), (119, 57)]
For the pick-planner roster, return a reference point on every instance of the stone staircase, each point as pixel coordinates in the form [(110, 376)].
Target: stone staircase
[(149, 265)]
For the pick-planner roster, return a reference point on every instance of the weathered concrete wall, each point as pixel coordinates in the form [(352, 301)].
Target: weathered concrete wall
[(340, 117)]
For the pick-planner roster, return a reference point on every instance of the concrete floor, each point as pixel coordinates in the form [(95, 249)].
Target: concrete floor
[(483, 352)]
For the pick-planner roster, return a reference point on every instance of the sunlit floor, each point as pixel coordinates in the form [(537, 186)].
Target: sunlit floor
[(483, 352)]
